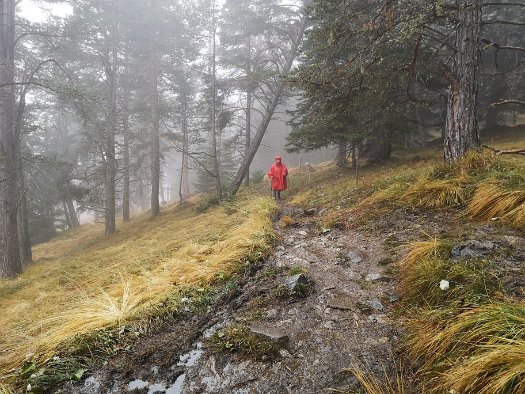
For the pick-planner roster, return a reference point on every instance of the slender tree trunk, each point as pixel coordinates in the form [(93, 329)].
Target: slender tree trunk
[(341, 159), (111, 70), (72, 213), (10, 263), (126, 175), (26, 252), (461, 133), (24, 237), (69, 223), (354, 155), (213, 140), (261, 130), (155, 148), (248, 141), (184, 184)]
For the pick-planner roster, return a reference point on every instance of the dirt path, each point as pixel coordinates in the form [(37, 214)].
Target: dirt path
[(342, 321)]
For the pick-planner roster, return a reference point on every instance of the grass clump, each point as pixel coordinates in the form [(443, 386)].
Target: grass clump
[(428, 262), (500, 199), (478, 350), (238, 338), (393, 382)]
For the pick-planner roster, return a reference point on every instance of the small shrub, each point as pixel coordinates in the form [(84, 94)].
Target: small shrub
[(257, 176)]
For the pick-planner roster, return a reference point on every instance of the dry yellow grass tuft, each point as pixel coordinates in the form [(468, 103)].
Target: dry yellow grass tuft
[(493, 200), (383, 384), (438, 193), (81, 281), (479, 350)]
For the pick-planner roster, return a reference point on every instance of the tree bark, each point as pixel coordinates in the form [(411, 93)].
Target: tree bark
[(248, 141), (126, 212), (184, 184), (72, 213), (461, 131), (214, 153), (263, 126), (69, 223), (111, 70), (155, 148), (10, 263), (341, 159)]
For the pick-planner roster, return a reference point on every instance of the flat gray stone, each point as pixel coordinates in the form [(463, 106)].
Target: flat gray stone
[(270, 332), (354, 258)]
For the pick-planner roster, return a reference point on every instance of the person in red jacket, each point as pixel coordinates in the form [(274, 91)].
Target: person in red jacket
[(278, 173)]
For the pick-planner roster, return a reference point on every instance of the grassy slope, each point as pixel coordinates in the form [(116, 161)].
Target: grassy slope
[(81, 281), (470, 339)]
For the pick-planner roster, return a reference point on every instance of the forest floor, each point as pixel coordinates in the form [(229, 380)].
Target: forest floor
[(322, 309)]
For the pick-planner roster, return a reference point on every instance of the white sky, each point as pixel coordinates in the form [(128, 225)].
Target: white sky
[(39, 12)]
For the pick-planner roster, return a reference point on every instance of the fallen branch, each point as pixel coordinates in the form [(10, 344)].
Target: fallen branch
[(502, 102), (499, 152)]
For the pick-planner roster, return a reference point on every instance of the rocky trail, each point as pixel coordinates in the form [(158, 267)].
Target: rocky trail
[(323, 296)]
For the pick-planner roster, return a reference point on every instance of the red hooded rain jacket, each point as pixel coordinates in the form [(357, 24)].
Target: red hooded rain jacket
[(278, 173)]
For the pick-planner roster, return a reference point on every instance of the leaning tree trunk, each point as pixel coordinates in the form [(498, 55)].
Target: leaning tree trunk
[(461, 131), (10, 264), (263, 126)]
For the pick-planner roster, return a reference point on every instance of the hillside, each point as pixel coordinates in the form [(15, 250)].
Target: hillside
[(341, 293)]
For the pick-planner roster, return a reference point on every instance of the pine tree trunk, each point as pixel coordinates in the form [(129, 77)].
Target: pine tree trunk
[(111, 68), (155, 149), (10, 263), (184, 184), (263, 126), (248, 141), (67, 218), (341, 160), (126, 175), (461, 132), (214, 150), (72, 213)]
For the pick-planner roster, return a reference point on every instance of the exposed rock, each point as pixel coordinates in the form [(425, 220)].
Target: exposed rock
[(472, 248), (310, 212), (298, 284), (375, 304), (303, 233), (354, 258), (272, 313), (377, 278), (270, 332)]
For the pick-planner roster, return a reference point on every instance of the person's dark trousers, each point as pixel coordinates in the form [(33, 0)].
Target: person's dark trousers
[(277, 194)]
